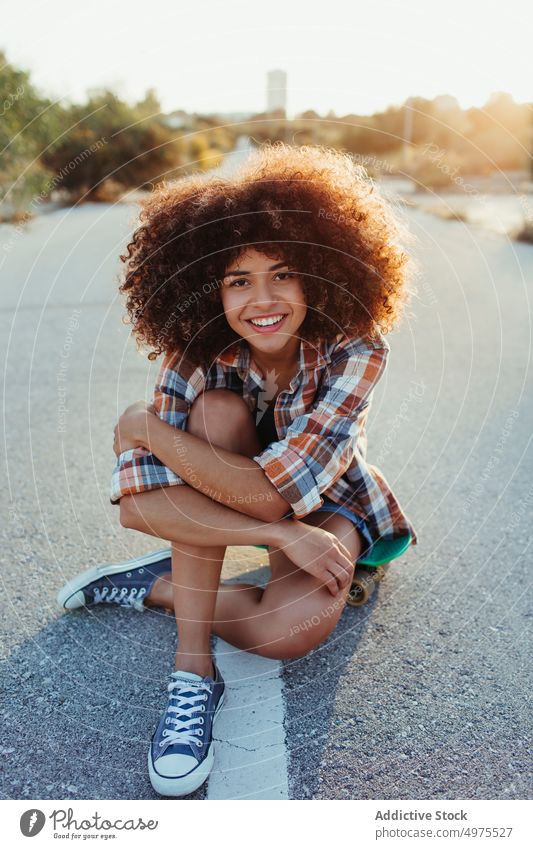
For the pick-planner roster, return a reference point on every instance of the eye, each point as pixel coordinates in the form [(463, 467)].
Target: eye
[(285, 275), (235, 282)]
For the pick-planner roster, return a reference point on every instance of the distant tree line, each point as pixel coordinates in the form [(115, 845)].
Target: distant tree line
[(426, 139), (94, 150), (99, 149)]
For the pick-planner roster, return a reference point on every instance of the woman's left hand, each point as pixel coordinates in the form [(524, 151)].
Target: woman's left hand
[(131, 430)]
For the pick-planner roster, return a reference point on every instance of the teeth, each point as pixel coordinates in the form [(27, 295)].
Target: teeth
[(264, 322)]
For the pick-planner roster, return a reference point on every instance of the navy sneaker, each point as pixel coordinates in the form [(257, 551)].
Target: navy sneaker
[(126, 584), (182, 752)]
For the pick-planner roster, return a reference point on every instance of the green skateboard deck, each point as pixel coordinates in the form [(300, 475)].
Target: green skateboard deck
[(383, 551)]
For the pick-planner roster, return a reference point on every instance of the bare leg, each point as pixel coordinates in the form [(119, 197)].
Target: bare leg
[(292, 615), (195, 584), (295, 611), (196, 569), (233, 600)]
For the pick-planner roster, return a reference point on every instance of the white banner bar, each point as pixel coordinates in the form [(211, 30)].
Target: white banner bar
[(390, 823)]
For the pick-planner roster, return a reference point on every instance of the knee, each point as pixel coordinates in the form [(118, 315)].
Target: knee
[(130, 512), (283, 642), (286, 648), (291, 640), (215, 409)]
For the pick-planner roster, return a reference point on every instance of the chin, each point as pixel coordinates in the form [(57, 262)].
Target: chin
[(267, 340)]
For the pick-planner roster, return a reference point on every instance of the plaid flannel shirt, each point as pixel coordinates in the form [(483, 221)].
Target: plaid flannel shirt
[(320, 421)]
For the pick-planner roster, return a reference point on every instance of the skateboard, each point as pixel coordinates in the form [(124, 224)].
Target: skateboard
[(369, 571)]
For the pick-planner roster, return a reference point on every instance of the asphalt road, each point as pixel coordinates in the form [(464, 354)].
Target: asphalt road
[(424, 693)]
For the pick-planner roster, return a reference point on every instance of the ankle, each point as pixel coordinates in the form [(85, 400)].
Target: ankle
[(161, 592), (200, 665)]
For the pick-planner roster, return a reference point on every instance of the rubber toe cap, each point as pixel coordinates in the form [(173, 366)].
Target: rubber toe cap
[(174, 766), (70, 601)]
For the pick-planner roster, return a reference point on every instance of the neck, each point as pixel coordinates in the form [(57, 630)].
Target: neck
[(281, 361)]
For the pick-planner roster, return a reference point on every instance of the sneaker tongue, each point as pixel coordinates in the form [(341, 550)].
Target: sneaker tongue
[(186, 676)]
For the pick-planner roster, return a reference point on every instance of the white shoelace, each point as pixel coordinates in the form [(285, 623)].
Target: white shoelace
[(124, 597), (182, 731)]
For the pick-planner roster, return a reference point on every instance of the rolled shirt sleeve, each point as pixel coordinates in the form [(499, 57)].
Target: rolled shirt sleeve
[(178, 384), (319, 446)]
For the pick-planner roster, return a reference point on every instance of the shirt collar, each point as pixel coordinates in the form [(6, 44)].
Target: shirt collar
[(311, 356)]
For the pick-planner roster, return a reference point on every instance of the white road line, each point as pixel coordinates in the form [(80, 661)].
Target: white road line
[(250, 753)]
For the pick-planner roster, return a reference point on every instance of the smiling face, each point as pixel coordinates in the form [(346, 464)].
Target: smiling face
[(264, 302)]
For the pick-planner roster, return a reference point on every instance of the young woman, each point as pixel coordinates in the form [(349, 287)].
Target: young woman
[(269, 294)]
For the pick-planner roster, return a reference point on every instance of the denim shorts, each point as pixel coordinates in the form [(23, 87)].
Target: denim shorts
[(330, 506)]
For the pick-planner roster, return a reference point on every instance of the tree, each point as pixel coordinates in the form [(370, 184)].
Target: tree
[(28, 123), (107, 139)]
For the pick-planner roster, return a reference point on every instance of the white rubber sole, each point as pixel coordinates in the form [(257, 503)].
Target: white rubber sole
[(71, 595), (191, 782)]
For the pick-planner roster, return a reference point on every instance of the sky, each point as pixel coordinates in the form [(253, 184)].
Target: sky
[(213, 55)]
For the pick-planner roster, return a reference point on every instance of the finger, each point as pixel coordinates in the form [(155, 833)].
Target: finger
[(344, 551), (346, 561), (348, 576), (340, 573), (329, 581), (332, 586)]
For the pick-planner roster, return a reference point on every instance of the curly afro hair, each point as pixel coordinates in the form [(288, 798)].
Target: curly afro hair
[(311, 206)]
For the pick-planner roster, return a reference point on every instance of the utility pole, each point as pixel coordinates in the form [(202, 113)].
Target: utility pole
[(531, 157), (407, 132)]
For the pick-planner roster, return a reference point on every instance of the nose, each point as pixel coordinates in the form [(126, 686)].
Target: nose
[(263, 291)]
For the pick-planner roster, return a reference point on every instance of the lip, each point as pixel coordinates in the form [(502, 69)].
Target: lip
[(269, 329)]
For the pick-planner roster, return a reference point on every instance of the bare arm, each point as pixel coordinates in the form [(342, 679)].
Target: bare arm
[(181, 514), (234, 480)]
